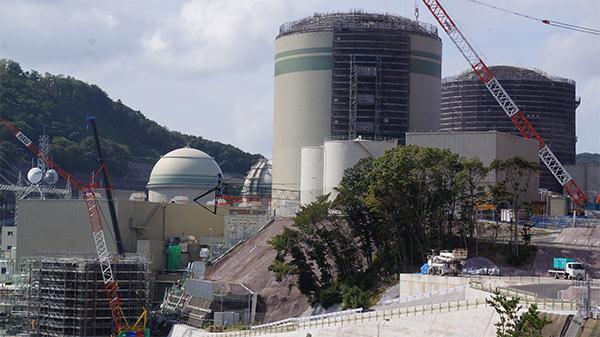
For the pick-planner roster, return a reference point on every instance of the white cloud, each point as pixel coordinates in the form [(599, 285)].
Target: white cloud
[(253, 123), (575, 55), (212, 35)]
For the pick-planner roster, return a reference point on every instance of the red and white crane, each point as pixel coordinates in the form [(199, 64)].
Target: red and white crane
[(94, 214), (508, 105)]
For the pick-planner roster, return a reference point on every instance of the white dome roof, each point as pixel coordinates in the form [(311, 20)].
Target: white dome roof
[(185, 167)]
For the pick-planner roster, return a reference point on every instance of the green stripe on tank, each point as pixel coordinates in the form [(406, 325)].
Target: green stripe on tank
[(304, 51), (426, 54), (182, 179), (423, 67), (306, 63)]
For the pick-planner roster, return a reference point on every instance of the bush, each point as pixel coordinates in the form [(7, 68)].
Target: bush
[(354, 297), (329, 296)]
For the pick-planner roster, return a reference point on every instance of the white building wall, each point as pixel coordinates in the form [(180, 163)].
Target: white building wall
[(302, 112), (311, 174)]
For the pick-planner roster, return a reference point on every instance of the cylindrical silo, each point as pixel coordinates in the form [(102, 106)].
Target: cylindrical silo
[(311, 173), (548, 102), (344, 75), (340, 155)]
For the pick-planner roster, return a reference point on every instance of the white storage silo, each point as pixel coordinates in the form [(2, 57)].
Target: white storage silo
[(311, 173), (340, 155)]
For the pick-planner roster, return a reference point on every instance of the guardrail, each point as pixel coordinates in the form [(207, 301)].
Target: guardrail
[(303, 323), (359, 317), (526, 296), (308, 318)]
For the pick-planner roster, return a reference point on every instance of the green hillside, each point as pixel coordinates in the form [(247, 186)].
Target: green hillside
[(59, 104), (588, 158)]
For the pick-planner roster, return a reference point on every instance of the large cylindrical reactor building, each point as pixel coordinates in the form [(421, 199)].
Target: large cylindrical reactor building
[(346, 75), (548, 102)]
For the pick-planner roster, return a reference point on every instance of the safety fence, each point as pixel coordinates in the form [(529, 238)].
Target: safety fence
[(357, 317), (361, 317), (526, 297)]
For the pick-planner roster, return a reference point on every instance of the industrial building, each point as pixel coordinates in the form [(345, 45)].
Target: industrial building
[(259, 179), (183, 175), (485, 145), (344, 75), (548, 102), (61, 226), (322, 167)]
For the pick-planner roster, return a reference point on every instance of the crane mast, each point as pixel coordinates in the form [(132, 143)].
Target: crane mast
[(507, 104), (94, 216)]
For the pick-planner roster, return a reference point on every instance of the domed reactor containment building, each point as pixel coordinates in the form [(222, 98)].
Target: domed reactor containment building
[(548, 102), (345, 75), (182, 175)]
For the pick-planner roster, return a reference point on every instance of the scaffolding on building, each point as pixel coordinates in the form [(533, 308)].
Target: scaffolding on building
[(66, 295), (548, 102)]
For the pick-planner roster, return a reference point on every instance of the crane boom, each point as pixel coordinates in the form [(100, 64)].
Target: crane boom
[(93, 212), (507, 104)]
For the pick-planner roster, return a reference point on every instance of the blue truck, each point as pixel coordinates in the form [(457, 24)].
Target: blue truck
[(567, 268)]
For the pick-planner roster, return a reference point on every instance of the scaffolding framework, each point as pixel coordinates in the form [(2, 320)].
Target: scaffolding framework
[(548, 102), (68, 297)]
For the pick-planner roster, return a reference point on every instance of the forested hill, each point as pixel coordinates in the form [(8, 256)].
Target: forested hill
[(588, 158), (59, 104)]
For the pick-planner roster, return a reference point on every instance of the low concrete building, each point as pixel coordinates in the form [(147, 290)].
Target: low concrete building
[(485, 145), (50, 227)]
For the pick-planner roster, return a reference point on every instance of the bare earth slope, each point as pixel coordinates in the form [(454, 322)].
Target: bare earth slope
[(249, 263)]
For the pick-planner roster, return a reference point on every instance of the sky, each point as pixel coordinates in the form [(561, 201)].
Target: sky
[(205, 67)]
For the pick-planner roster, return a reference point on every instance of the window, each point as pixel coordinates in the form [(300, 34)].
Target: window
[(3, 270), (9, 234), (8, 247)]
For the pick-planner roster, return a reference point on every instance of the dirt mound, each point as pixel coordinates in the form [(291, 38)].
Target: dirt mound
[(580, 236), (479, 262), (249, 263)]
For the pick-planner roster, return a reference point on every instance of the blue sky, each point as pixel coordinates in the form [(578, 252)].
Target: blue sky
[(205, 67)]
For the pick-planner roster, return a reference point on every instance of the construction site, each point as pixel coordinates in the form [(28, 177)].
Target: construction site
[(185, 256)]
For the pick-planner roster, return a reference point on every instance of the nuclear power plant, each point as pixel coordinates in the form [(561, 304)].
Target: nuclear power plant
[(343, 75), (347, 86), (548, 102)]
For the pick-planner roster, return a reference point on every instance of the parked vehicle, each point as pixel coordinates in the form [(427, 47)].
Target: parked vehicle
[(446, 262), (567, 268)]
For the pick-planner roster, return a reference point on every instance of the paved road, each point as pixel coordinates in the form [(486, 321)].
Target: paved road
[(546, 290)]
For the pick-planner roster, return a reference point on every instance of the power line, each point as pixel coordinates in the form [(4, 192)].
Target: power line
[(545, 21)]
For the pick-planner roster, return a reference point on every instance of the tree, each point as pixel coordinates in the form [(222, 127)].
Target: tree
[(516, 174), (508, 310), (350, 200), (318, 249), (471, 191), (409, 191), (530, 324)]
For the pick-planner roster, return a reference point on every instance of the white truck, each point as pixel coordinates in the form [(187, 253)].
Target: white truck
[(446, 262), (567, 268)]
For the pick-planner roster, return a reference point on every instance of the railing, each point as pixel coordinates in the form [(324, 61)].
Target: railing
[(362, 317), (526, 297), (303, 323)]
